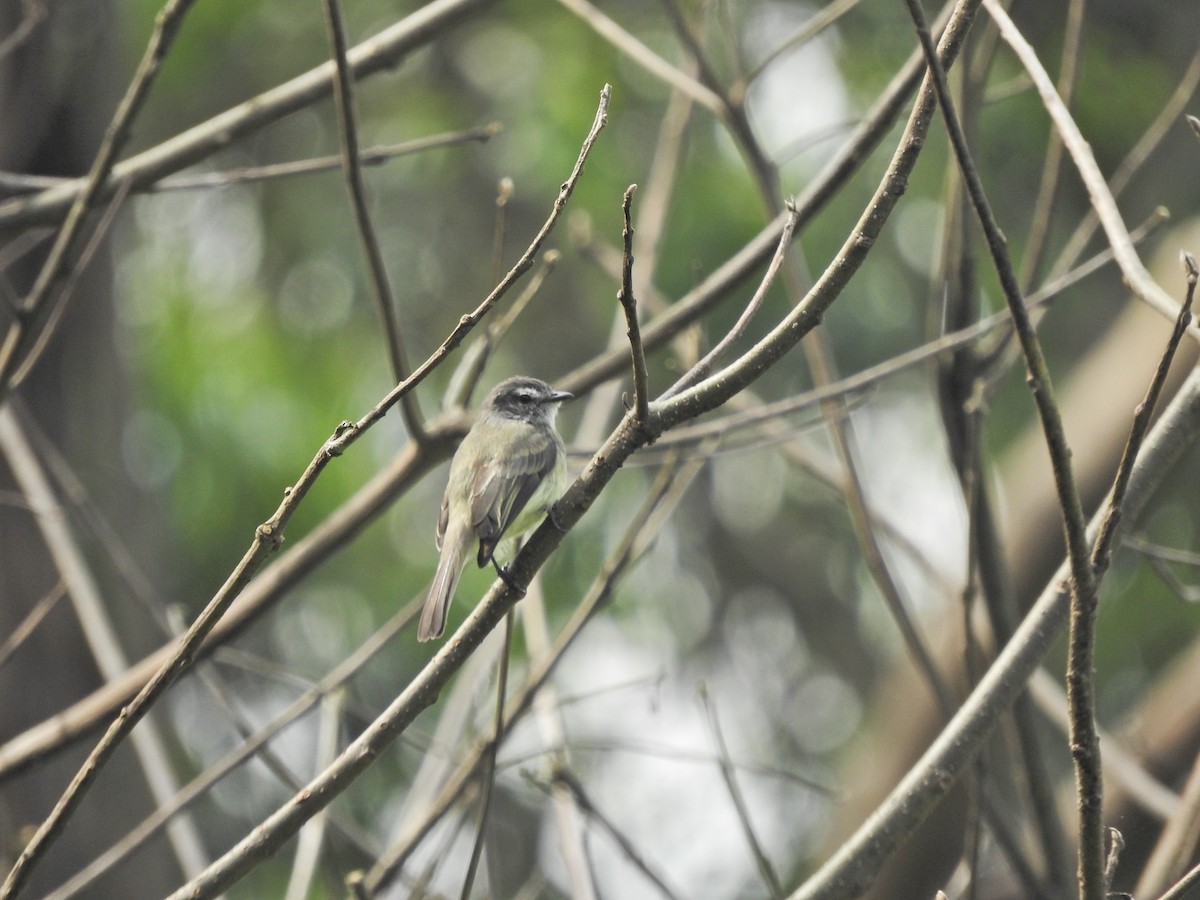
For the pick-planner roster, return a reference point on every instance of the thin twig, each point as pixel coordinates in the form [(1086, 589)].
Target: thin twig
[(1177, 842), (23, 244), (16, 183), (466, 375), (639, 53), (641, 400), (29, 624), (488, 775), (20, 331), (385, 302), (1161, 553), (729, 776), (1139, 280), (312, 835), (564, 777), (504, 194), (1167, 118), (1180, 890), (704, 366), (821, 19), (1043, 207), (63, 294), (33, 14), (1102, 551), (552, 729)]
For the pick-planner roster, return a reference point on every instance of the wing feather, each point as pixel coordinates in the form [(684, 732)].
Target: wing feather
[(502, 488)]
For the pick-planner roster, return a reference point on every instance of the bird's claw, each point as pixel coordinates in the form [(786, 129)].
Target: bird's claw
[(512, 583)]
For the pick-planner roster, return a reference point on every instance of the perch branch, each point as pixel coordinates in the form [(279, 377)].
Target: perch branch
[(267, 538)]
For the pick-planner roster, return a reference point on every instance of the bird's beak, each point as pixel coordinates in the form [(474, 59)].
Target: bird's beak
[(561, 396)]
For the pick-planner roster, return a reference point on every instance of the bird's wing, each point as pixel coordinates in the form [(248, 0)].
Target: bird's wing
[(502, 487), (443, 520)]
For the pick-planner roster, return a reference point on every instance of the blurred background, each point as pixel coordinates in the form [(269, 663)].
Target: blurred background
[(748, 694)]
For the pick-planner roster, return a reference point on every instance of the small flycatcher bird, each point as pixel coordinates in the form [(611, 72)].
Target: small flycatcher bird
[(508, 472)]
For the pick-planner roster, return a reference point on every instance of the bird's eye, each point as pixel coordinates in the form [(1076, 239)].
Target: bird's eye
[(524, 398)]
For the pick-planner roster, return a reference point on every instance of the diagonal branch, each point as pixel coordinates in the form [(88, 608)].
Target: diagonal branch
[(267, 538)]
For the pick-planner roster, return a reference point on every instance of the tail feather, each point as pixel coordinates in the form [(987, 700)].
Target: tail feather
[(441, 592)]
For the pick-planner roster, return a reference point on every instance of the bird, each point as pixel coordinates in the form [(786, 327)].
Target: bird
[(506, 475)]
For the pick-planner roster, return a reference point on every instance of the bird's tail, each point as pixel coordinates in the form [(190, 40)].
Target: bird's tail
[(441, 592)]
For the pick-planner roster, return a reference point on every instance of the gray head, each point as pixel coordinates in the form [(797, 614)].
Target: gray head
[(524, 398)]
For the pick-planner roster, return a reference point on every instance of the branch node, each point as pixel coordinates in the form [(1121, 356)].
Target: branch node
[(268, 535)]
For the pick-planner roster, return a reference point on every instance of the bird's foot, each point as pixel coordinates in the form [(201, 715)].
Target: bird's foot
[(513, 585), (552, 515)]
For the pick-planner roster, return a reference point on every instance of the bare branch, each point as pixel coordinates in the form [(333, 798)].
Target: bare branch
[(312, 835), (21, 330), (641, 401), (702, 368), (857, 860), (644, 56), (566, 778), (1085, 742), (373, 156), (1139, 280), (385, 302), (267, 538), (765, 870), (1102, 551), (376, 54)]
